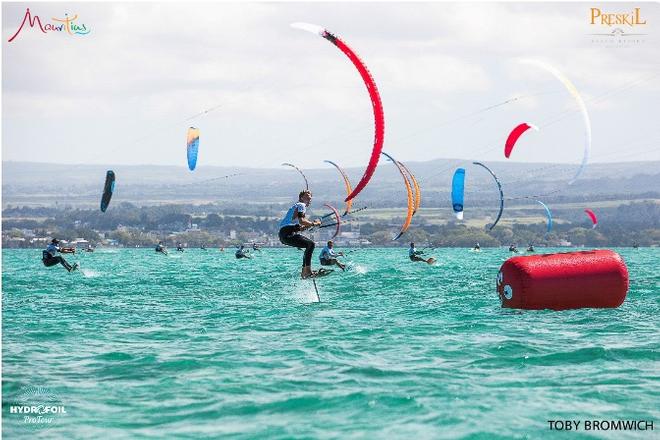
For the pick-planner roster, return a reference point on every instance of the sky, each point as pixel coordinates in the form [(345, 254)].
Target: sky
[(449, 75)]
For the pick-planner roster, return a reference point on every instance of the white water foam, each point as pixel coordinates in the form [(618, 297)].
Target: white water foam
[(305, 292), (88, 273)]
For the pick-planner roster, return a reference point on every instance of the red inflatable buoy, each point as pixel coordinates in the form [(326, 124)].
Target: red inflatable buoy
[(573, 280)]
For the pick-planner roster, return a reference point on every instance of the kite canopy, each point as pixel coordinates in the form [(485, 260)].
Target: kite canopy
[(514, 135), (549, 214), (108, 189), (379, 118), (313, 28), (581, 105), (592, 216), (457, 192), (347, 184), (499, 188), (286, 164), (418, 191), (192, 147), (411, 202), (337, 219)]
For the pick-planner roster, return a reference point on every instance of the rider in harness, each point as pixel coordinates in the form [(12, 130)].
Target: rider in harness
[(50, 257)]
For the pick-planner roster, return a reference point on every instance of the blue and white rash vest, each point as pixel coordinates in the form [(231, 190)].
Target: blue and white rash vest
[(327, 254), (52, 249), (288, 219)]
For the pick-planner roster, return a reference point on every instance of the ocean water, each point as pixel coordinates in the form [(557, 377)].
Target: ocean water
[(201, 345)]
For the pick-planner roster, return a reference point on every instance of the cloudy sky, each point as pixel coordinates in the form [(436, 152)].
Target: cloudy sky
[(126, 92)]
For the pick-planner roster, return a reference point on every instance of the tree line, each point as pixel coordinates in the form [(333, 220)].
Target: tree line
[(626, 225)]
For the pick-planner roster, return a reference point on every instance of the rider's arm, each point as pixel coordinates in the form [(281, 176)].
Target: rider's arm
[(303, 222)]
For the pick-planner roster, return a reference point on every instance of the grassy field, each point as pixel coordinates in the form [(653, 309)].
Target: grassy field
[(478, 217)]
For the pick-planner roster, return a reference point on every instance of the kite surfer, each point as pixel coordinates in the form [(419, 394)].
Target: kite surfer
[(530, 248), (161, 248), (50, 257), (513, 248), (293, 222), (241, 252), (179, 247), (414, 255), (477, 248), (328, 256)]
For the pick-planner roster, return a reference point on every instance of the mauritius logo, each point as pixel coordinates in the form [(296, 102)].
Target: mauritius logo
[(66, 24)]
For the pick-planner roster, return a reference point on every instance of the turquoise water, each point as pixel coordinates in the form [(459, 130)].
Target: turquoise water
[(201, 345)]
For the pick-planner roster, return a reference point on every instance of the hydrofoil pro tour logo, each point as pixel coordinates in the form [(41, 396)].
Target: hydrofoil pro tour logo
[(33, 409), (68, 25)]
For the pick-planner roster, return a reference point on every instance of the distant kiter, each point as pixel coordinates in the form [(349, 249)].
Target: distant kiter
[(328, 256), (241, 252), (414, 255), (50, 257), (161, 248)]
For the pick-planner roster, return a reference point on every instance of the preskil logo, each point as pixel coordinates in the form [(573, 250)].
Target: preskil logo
[(634, 18), (66, 24)]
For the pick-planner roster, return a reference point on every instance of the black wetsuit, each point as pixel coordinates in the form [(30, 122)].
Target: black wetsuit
[(414, 255), (242, 254), (50, 260), (290, 237)]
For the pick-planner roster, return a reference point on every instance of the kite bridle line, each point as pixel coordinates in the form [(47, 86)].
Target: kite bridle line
[(338, 134), (549, 121), (555, 165), (344, 215), (334, 223)]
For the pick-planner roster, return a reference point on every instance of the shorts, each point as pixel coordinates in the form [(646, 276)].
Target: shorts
[(328, 261)]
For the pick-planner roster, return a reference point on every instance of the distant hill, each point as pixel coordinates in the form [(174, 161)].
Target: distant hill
[(31, 183)]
